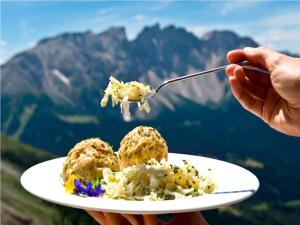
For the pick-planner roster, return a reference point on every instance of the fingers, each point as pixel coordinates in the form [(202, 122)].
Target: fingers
[(191, 218), (204, 222), (105, 218), (150, 220), (264, 56), (236, 56), (116, 219), (258, 79), (98, 216), (255, 77), (255, 90), (134, 219), (242, 93)]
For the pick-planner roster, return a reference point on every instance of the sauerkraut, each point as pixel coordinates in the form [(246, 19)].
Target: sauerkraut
[(156, 181), (125, 93)]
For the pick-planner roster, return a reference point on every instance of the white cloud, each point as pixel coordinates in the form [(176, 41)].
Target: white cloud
[(281, 31), (290, 18), (160, 5), (25, 28), (106, 11), (2, 59), (139, 17), (200, 30), (231, 6), (281, 39), (24, 24), (3, 45), (32, 44)]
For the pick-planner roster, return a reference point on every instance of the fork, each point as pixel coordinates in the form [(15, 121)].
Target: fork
[(246, 65)]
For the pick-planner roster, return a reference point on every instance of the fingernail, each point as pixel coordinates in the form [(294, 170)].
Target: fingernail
[(248, 49), (164, 218)]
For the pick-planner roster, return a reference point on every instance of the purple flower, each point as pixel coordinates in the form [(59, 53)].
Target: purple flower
[(79, 189), (88, 189)]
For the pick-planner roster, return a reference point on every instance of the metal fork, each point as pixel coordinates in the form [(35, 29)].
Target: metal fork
[(246, 65)]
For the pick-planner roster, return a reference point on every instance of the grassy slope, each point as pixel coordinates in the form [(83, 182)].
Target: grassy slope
[(79, 119), (20, 207), (24, 119)]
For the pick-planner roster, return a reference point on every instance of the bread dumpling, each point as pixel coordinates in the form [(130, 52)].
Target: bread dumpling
[(87, 159), (140, 145)]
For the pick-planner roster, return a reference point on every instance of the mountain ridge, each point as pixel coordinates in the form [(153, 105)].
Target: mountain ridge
[(51, 93), (51, 101), (42, 56)]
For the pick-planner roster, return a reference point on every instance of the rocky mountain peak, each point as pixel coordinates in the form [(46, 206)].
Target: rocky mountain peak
[(69, 68), (59, 80), (114, 33), (226, 40), (220, 35), (169, 32)]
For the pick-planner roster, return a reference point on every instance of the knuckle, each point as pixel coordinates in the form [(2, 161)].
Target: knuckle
[(276, 60), (263, 48), (272, 57)]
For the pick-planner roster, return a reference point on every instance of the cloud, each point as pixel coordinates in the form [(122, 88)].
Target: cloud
[(280, 31), (160, 5), (139, 17), (106, 11), (24, 24), (3, 45), (32, 44), (290, 18), (26, 29), (200, 30), (281, 39), (231, 6)]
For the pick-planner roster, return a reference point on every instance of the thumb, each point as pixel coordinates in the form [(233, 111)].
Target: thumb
[(264, 56)]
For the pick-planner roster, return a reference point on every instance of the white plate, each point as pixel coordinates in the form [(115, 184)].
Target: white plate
[(234, 185)]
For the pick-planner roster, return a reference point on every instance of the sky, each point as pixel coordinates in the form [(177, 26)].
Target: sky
[(272, 23)]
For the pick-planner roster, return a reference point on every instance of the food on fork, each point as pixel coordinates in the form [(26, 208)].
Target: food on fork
[(125, 93), (140, 145)]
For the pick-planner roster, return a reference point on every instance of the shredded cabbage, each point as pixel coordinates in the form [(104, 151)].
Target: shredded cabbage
[(155, 181), (124, 93)]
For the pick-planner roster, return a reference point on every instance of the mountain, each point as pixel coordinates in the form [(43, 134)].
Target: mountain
[(50, 93), (56, 68), (18, 207), (50, 98)]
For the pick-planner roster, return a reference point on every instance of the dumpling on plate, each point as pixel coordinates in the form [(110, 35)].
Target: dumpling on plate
[(87, 159), (140, 145)]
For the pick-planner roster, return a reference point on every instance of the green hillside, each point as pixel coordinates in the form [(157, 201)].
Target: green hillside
[(19, 207)]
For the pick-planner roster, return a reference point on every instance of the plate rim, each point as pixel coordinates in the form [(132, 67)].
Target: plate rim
[(191, 207)]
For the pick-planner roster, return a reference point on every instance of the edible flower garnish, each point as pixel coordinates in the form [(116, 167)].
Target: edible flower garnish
[(69, 185), (91, 189)]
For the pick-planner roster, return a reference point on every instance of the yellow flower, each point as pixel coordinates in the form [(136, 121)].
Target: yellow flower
[(69, 185)]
